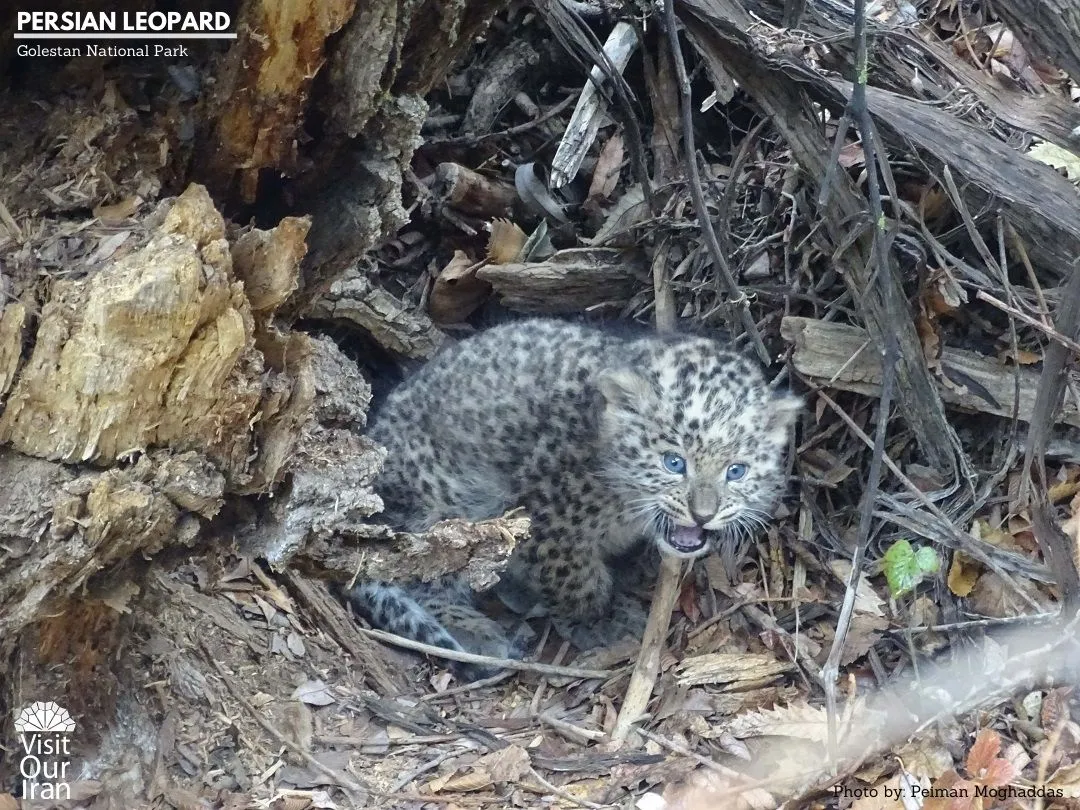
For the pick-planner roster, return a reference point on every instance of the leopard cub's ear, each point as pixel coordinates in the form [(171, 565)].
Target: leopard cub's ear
[(783, 410), (625, 390)]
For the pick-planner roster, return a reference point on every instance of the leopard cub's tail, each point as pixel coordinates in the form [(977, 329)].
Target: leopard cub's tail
[(422, 614)]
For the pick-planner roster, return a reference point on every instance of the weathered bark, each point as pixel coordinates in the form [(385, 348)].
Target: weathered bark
[(1048, 28), (355, 300), (264, 86), (155, 350)]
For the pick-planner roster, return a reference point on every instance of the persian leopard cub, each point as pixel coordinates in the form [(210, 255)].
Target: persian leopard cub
[(605, 440)]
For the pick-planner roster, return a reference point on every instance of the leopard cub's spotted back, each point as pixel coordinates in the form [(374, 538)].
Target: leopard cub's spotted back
[(605, 440)]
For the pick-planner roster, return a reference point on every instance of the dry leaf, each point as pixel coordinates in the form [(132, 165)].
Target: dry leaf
[(688, 601), (950, 781), (299, 725), (851, 154), (934, 204), (942, 295), (982, 530), (314, 693), (118, 596), (1062, 490), (1067, 780), (992, 597), (440, 680), (606, 174), (272, 592), (866, 599), (926, 758), (1001, 772), (505, 242), (883, 796), (117, 212), (1055, 708), (738, 670), (711, 789), (295, 644), (929, 336), (475, 780), (799, 720), (1017, 757), (1022, 357), (864, 632), (983, 752), (984, 764), (376, 742), (457, 291), (824, 466), (1053, 155), (627, 213), (108, 246), (963, 574), (505, 765)]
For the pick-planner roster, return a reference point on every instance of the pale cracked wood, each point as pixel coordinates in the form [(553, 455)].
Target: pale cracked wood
[(158, 349), (12, 326), (160, 352), (477, 551)]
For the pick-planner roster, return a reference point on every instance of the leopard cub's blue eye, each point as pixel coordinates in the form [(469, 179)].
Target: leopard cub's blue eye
[(674, 463), (736, 471)]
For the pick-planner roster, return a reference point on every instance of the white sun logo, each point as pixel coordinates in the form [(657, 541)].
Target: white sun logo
[(44, 716)]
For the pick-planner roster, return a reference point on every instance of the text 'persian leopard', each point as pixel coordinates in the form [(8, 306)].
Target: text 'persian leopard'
[(605, 440)]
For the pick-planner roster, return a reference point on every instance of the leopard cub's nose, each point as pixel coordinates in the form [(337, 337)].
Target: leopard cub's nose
[(702, 502), (701, 518)]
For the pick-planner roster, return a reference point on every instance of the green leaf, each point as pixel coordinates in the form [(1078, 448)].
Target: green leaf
[(927, 560), (905, 567)]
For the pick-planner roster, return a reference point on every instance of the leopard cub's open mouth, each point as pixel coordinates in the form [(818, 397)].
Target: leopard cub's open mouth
[(685, 541)]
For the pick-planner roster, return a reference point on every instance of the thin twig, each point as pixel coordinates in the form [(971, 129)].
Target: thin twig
[(476, 140), (1056, 547), (582, 736), (682, 750), (430, 765), (860, 114), (1034, 323), (483, 683), (1037, 618), (486, 660), (538, 695), (739, 300)]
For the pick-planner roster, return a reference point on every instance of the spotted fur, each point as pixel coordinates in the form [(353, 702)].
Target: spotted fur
[(573, 424)]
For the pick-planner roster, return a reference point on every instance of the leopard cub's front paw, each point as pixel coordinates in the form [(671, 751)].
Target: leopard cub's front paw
[(625, 620)]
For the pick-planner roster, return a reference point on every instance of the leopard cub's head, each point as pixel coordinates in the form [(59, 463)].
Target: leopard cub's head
[(693, 441)]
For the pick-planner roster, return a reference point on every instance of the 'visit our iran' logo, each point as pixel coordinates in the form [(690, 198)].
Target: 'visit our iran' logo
[(44, 730)]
